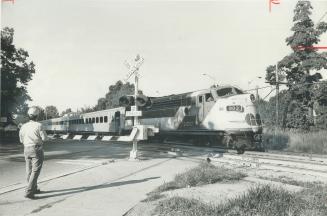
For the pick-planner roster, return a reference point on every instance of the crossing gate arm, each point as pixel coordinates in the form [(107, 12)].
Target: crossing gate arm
[(139, 132)]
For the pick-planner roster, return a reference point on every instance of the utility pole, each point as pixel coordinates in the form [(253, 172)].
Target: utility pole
[(277, 96), (0, 93), (277, 104), (257, 92)]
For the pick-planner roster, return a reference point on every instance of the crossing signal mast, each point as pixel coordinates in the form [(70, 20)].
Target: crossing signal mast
[(134, 70)]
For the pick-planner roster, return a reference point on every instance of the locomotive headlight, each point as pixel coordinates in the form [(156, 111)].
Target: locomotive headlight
[(236, 108)]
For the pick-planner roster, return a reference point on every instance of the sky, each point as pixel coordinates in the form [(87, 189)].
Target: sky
[(79, 46)]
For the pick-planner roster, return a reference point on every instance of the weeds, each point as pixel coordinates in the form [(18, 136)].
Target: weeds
[(296, 141), (290, 181), (264, 200), (204, 173)]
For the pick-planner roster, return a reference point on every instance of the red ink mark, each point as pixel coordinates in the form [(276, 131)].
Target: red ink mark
[(309, 47), (12, 1), (273, 2)]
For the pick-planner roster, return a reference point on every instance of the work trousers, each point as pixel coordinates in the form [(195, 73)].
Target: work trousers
[(34, 157)]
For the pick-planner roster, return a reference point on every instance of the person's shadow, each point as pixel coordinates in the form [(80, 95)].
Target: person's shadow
[(95, 187)]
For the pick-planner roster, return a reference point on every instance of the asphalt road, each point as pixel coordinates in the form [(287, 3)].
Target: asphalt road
[(61, 156)]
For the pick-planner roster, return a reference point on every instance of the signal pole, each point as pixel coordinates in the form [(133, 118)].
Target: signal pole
[(134, 70), (136, 92)]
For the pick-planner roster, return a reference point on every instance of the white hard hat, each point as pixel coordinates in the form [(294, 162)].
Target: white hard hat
[(33, 111)]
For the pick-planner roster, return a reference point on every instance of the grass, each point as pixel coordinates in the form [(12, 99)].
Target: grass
[(204, 173), (297, 141), (290, 181), (261, 200)]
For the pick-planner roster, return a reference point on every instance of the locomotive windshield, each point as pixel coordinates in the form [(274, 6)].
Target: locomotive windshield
[(223, 92)]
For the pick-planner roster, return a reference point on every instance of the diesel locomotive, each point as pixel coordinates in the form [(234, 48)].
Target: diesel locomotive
[(219, 115)]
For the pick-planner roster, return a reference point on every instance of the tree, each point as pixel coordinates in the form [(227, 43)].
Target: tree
[(41, 115), (69, 110), (320, 105), (298, 68), (51, 112), (16, 72), (267, 109), (86, 109), (116, 91)]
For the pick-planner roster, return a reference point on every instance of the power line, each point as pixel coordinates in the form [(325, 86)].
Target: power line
[(322, 17), (269, 93), (258, 88)]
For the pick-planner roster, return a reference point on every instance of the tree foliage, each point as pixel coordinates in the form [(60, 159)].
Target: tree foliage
[(299, 68), (66, 111), (16, 72), (86, 109), (51, 112), (111, 99)]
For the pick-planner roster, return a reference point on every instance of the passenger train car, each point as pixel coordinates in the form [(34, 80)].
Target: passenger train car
[(217, 115)]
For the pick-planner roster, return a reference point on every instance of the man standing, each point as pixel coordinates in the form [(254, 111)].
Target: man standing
[(32, 136)]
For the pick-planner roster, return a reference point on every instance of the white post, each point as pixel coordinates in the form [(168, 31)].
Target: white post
[(133, 154)]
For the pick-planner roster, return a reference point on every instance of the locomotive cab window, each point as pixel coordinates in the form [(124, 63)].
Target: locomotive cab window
[(238, 91), (225, 92), (209, 97)]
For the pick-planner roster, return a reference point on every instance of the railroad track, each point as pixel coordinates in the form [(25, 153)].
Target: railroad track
[(309, 165)]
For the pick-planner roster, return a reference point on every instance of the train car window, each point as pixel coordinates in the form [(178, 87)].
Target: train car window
[(106, 119), (97, 119), (200, 99), (188, 101), (93, 120), (225, 92), (82, 121), (101, 119), (90, 120), (86, 120), (209, 97)]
